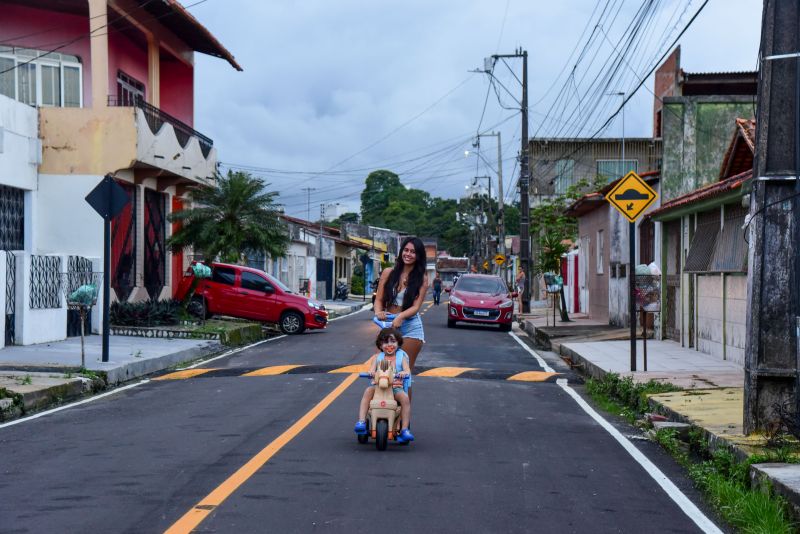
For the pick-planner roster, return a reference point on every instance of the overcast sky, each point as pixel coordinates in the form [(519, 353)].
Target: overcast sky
[(333, 90)]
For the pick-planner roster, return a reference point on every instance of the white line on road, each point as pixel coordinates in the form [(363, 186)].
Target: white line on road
[(71, 405), (683, 502), (364, 307)]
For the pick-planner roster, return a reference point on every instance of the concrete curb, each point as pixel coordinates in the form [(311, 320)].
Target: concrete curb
[(133, 370)]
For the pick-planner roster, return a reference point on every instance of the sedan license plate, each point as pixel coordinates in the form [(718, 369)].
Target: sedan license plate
[(482, 313)]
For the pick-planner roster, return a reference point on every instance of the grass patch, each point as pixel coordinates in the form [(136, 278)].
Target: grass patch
[(623, 397), (726, 484)]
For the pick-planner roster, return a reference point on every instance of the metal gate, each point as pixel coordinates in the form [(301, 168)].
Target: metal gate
[(324, 279), (155, 256), (672, 293), (78, 264), (11, 293)]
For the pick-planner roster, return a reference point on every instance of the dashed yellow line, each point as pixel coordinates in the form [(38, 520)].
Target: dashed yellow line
[(532, 376), (358, 368), (272, 370), (183, 375), (446, 372)]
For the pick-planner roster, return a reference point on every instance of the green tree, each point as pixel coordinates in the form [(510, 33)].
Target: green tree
[(379, 189), (226, 221), (554, 232)]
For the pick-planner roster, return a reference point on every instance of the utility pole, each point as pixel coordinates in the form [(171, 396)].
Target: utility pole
[(772, 348), (308, 205), (524, 180), (501, 245)]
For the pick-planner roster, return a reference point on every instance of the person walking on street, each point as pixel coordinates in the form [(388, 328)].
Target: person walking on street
[(401, 291), (437, 290), (520, 283)]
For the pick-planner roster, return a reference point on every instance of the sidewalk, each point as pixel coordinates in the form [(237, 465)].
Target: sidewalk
[(42, 375), (713, 390)]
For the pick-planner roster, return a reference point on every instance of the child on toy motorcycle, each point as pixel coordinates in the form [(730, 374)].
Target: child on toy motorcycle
[(389, 342)]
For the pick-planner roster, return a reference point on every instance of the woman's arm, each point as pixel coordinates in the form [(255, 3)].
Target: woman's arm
[(415, 306), (378, 307)]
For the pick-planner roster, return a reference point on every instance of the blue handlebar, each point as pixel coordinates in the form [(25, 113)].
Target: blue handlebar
[(384, 324)]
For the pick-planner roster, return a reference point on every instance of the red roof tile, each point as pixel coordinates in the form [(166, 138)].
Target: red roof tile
[(704, 193)]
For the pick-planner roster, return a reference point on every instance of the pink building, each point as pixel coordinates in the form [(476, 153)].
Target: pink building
[(114, 84)]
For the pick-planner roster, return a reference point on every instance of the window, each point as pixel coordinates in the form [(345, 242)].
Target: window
[(40, 78), (223, 275), (256, 283), (565, 175), (702, 247), (600, 251), (129, 90), (610, 169)]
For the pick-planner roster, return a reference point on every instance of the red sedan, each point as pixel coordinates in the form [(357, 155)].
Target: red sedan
[(481, 298)]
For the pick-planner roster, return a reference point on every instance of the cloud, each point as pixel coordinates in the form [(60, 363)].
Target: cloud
[(324, 80)]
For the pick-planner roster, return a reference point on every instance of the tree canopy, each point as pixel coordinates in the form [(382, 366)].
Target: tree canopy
[(228, 220)]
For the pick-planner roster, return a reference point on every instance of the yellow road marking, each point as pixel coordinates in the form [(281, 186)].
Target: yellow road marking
[(447, 372), (358, 368), (183, 375), (272, 370), (208, 504), (531, 376)]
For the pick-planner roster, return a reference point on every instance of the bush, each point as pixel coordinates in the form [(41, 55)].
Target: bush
[(146, 313), (357, 285)]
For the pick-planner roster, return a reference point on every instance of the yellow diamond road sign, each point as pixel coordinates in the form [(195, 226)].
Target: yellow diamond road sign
[(631, 196), (499, 259)]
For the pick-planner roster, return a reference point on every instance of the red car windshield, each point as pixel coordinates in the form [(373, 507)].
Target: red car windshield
[(493, 286)]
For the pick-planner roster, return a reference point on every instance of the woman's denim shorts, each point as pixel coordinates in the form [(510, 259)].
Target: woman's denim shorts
[(412, 328)]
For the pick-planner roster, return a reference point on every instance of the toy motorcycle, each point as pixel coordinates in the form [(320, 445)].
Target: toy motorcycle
[(383, 417)]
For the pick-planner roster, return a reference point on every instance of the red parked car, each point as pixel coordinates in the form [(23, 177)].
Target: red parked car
[(480, 298), (240, 291)]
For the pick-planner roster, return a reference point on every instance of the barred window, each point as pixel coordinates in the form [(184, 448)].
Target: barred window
[(45, 282)]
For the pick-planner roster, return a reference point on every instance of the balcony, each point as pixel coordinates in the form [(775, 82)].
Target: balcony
[(137, 136)]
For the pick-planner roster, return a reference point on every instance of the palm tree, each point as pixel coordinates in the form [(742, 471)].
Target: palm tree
[(225, 221)]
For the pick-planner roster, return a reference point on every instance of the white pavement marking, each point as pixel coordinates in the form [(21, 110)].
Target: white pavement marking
[(78, 403), (674, 493), (232, 351), (364, 307)]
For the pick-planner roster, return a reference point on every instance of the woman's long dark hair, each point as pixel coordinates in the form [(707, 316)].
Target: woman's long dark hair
[(415, 278)]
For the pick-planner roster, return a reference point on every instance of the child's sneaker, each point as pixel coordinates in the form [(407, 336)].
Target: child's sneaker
[(405, 436), (361, 428)]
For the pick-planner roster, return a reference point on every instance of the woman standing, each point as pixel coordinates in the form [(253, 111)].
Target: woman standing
[(401, 291)]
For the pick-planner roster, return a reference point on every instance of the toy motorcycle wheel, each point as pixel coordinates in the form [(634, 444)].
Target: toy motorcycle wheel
[(382, 434), (363, 438)]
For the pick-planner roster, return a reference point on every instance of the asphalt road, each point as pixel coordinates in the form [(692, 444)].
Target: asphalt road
[(222, 452)]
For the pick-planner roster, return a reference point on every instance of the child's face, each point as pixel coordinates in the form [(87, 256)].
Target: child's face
[(389, 345)]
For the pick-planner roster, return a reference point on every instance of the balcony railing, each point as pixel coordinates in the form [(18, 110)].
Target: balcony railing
[(156, 118)]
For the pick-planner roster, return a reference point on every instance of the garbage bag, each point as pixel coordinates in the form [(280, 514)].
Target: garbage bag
[(86, 295), (201, 270), (642, 269), (654, 270)]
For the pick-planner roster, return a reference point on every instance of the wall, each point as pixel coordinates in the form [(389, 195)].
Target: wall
[(65, 223), (60, 28), (722, 315), (177, 89), (588, 225), (19, 144), (127, 56), (696, 133)]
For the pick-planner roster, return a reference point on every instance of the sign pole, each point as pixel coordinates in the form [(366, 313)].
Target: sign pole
[(106, 281), (632, 290)]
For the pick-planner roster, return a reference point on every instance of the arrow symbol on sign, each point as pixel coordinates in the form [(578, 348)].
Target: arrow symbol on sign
[(629, 207)]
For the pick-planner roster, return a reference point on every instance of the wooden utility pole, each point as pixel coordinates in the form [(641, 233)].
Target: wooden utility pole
[(773, 282)]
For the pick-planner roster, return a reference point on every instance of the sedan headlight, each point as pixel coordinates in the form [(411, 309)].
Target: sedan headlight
[(506, 304), (316, 305), (455, 300)]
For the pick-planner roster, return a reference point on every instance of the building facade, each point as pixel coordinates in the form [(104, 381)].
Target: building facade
[(110, 84)]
